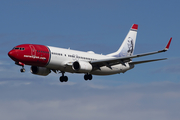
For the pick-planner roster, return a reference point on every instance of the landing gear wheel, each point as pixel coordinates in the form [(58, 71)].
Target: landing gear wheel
[(22, 70), (63, 78), (90, 77), (87, 77)]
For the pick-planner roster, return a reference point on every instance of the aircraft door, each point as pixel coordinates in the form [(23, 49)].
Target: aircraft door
[(33, 51)]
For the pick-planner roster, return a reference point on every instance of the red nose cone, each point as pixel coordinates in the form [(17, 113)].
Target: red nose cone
[(9, 53), (12, 54)]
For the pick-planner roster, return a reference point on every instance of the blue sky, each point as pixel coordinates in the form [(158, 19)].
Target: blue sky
[(149, 91)]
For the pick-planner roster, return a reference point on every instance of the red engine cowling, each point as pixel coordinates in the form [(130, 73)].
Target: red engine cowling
[(40, 70), (82, 66)]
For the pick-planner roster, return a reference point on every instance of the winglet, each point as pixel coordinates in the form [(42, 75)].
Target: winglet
[(134, 27), (167, 46)]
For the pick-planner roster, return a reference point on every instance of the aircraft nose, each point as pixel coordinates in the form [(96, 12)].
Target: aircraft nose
[(12, 54), (9, 53)]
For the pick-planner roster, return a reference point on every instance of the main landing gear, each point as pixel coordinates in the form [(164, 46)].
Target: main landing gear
[(63, 78), (87, 77)]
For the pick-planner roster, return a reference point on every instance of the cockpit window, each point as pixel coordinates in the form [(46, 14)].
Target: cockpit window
[(17, 48), (21, 48)]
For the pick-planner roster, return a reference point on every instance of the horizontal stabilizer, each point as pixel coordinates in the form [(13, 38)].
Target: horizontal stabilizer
[(145, 61)]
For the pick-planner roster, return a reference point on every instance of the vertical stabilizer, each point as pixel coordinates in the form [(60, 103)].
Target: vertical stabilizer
[(128, 45)]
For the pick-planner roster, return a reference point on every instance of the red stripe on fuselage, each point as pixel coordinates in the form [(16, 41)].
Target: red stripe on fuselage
[(31, 54)]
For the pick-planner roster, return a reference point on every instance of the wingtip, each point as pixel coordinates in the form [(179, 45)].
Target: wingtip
[(134, 26), (167, 46)]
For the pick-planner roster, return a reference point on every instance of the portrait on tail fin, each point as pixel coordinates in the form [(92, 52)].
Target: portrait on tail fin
[(130, 46)]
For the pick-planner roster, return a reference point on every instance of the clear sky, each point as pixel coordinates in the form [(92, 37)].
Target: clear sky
[(150, 91)]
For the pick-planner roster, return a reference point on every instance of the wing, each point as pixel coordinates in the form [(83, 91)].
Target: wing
[(122, 60)]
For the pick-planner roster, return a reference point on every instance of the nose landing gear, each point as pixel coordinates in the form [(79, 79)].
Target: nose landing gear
[(21, 64), (22, 69)]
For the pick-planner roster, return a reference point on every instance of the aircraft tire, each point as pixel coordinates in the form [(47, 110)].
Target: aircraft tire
[(90, 77), (22, 70), (63, 79), (87, 77)]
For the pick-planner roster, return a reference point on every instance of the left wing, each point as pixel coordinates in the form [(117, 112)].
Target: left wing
[(122, 60)]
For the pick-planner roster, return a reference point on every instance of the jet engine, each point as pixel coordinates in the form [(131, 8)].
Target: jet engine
[(40, 70), (82, 66)]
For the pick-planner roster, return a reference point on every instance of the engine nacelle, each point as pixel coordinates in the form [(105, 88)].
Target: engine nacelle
[(40, 70), (82, 66)]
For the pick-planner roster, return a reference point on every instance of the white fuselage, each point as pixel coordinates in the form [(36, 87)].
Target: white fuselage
[(62, 59)]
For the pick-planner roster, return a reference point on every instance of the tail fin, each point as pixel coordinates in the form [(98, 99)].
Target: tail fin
[(128, 45)]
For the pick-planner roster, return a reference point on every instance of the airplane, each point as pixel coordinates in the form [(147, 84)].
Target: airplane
[(44, 59)]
